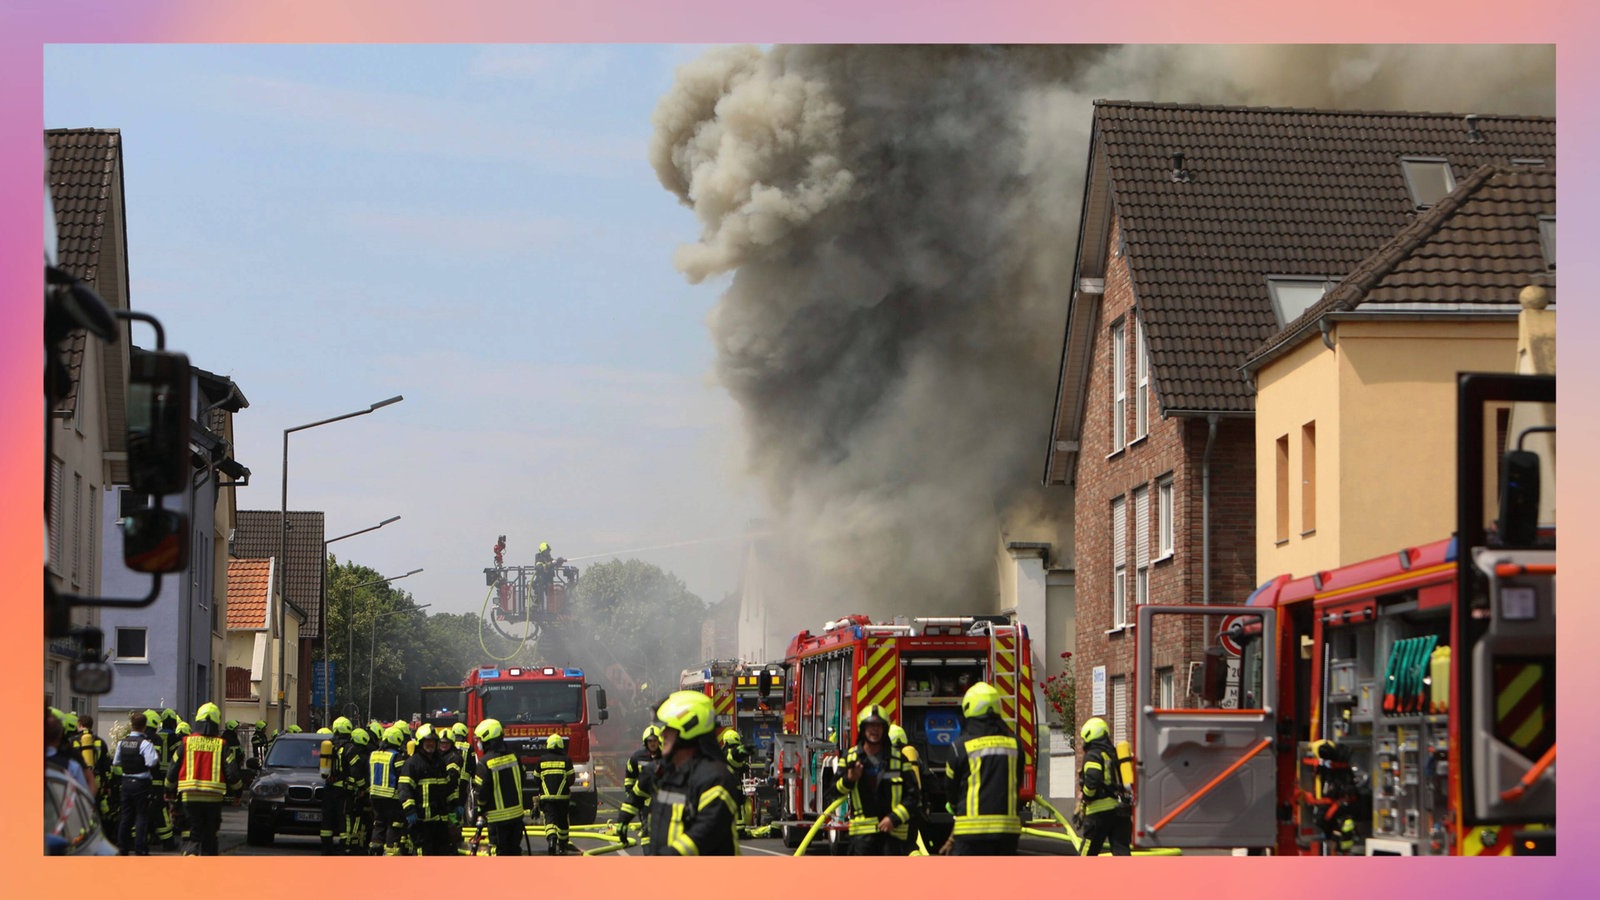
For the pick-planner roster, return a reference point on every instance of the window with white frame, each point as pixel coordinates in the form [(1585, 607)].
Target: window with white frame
[(1119, 556), (1141, 545), (1141, 390), (1119, 386), (1166, 689), (1119, 708), (1164, 514), (132, 645)]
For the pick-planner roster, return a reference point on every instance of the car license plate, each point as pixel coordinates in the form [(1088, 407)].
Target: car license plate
[(308, 816)]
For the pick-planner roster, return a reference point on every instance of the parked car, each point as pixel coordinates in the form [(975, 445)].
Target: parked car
[(72, 819), (286, 793)]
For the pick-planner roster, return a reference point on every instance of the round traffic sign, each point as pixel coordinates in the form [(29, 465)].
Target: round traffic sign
[(1229, 645)]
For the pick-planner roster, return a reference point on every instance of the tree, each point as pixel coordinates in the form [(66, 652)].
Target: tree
[(630, 617)]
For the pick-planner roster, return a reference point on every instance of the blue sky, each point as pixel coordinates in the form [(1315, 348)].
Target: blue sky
[(475, 227)]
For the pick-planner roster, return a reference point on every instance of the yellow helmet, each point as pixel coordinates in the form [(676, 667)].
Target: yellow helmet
[(360, 737), (458, 731), (294, 729), (651, 732), (981, 699), (544, 547), (324, 730), (394, 737), (183, 728), (729, 737), (342, 725), (208, 712), (1093, 730), (489, 730), (872, 713), (425, 732), (689, 713), (556, 742)]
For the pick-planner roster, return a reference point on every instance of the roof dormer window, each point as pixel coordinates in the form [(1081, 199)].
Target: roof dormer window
[(1292, 295), (1428, 179)]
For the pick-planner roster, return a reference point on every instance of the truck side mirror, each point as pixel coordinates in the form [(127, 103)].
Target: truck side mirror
[(155, 541), (600, 700), (158, 422)]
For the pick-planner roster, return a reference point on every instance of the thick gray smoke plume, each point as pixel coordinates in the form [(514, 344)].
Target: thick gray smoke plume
[(900, 224)]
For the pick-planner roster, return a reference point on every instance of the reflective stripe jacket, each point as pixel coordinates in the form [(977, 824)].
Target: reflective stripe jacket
[(984, 778), (692, 813), (428, 787), (201, 772), (886, 788), (555, 775), (498, 783), (383, 772), (354, 764), (1099, 778), (638, 781)]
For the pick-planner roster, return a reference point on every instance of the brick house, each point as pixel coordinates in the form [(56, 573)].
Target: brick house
[(1205, 231), (257, 536)]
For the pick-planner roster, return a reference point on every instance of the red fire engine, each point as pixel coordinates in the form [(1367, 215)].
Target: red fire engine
[(917, 670), (747, 696), (532, 703), (1402, 705)]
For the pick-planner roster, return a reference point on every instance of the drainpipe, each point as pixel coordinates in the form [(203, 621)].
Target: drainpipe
[(1327, 332), (1205, 511)]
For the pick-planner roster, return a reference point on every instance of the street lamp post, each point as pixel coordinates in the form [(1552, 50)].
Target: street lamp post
[(350, 627), (283, 543), (374, 649), (327, 692)]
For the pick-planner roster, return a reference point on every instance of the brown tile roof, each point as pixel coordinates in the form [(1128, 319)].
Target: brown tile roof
[(85, 171), (256, 537), (249, 593), (1266, 192), (1476, 248)]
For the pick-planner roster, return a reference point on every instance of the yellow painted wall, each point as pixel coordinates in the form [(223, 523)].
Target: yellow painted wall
[(1384, 403), (1301, 387)]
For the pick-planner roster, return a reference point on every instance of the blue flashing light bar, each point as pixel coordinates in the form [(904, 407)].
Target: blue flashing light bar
[(574, 673)]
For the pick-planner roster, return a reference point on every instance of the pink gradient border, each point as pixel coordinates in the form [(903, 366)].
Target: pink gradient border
[(25, 26)]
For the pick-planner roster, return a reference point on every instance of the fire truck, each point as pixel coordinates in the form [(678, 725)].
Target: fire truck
[(533, 703), (917, 670), (747, 696), (1401, 705)]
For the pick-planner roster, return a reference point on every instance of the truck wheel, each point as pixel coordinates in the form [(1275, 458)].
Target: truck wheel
[(585, 807), (792, 837), (258, 834)]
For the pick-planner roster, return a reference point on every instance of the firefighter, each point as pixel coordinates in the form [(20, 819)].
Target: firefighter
[(427, 796), (337, 791), (258, 741), (543, 573), (497, 783), (383, 783), (457, 761), (555, 800), (135, 766), (882, 792), (983, 779), (356, 800), (203, 776), (105, 797), (166, 741), (180, 818), (230, 742), (737, 759), (1107, 815), (918, 769), (692, 813), (638, 784)]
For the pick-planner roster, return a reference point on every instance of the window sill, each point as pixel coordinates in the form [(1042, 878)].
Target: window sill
[(142, 661), (1118, 452), (1164, 558), (1120, 628), (1140, 439), (1281, 542), (1306, 534)]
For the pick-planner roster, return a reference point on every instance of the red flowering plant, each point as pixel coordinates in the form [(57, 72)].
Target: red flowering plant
[(1061, 693)]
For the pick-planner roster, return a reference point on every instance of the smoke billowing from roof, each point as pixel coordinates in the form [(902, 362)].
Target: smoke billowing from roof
[(900, 225)]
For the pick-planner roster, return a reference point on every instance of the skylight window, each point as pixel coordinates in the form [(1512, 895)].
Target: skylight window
[(1547, 237), (1293, 295), (1428, 179)]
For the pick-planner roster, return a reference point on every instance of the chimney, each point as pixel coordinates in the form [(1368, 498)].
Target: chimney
[(1179, 173), (1474, 136)]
